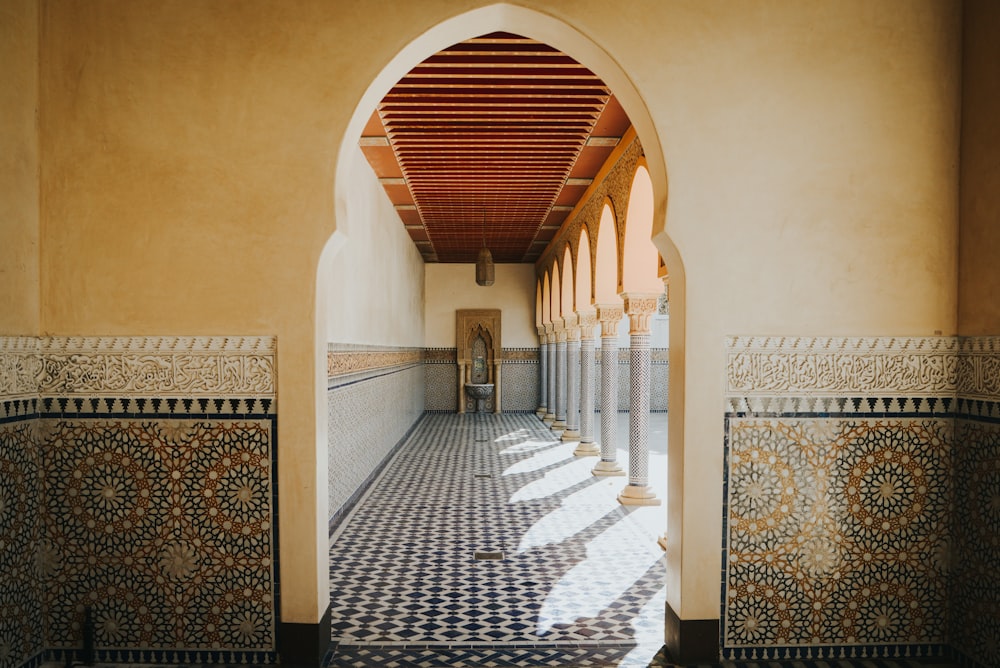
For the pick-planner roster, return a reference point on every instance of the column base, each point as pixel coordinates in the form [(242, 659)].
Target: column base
[(638, 495), (304, 645), (549, 419), (559, 425), (608, 469), (662, 542), (571, 435), (691, 640), (541, 412), (587, 450)]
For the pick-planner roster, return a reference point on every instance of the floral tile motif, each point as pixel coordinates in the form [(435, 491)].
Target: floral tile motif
[(975, 594), (837, 532), (163, 527), (20, 607)]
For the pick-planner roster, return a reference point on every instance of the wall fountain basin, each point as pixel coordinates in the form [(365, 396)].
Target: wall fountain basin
[(481, 393)]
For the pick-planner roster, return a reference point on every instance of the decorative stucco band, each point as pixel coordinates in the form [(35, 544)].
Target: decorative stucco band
[(838, 474), (146, 366), (342, 360), (818, 366)]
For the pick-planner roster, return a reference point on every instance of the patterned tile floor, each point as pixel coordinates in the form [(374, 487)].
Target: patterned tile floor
[(581, 582)]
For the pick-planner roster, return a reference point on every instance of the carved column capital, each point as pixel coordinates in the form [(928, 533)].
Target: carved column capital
[(588, 320), (609, 316), (639, 306), (559, 330), (541, 330), (572, 327)]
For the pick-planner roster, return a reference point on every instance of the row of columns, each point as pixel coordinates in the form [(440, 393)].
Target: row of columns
[(567, 387)]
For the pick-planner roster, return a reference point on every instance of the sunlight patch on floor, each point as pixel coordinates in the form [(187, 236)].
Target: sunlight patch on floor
[(603, 577)]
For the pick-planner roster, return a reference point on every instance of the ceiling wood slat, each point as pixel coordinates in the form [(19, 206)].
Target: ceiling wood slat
[(493, 129)]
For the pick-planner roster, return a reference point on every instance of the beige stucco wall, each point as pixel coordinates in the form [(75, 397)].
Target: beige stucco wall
[(811, 150), (19, 167), (453, 286), (190, 183), (373, 276), (979, 243)]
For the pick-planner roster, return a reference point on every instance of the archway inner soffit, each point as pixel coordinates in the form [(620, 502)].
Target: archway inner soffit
[(497, 137)]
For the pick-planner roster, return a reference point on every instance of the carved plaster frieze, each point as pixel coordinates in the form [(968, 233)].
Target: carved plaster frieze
[(979, 367), (20, 366), (877, 366), (340, 363), (520, 355), (179, 366), (440, 356), (264, 345)]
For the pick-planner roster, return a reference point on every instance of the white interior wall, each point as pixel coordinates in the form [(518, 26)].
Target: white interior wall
[(375, 280)]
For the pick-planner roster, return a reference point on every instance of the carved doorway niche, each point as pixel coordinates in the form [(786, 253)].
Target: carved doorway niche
[(479, 355)]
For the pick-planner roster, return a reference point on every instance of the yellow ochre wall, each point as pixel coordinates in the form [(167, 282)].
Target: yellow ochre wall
[(190, 150), (979, 240), (19, 168)]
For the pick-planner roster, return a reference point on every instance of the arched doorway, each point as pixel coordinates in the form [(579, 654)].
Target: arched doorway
[(544, 28)]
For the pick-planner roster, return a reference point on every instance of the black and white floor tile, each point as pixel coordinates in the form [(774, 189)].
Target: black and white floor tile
[(581, 581)]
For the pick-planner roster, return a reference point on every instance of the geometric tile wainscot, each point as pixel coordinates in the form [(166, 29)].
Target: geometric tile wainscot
[(143, 469), (374, 396), (841, 528)]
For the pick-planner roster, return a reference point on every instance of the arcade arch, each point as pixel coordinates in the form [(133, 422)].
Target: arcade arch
[(561, 290)]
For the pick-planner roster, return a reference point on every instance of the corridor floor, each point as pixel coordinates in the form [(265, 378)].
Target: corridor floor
[(581, 581)]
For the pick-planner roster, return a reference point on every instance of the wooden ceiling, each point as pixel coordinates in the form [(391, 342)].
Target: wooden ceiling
[(498, 136)]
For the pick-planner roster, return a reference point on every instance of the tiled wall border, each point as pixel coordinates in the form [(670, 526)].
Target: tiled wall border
[(942, 378), (146, 378), (510, 355), (375, 394)]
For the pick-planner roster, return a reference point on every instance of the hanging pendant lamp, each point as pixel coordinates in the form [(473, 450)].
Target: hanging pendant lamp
[(484, 262)]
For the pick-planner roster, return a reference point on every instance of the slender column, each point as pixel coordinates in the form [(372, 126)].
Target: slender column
[(587, 447), (662, 540), (609, 315), (461, 387), (637, 492), (572, 432), (497, 386), (550, 411), (543, 366), (560, 423)]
